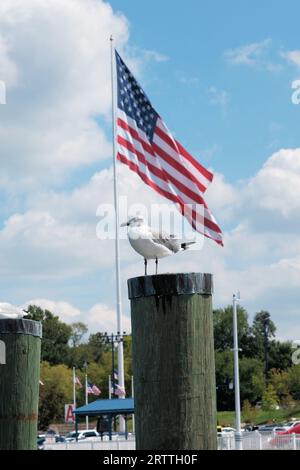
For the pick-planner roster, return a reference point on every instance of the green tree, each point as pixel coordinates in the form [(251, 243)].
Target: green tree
[(263, 330), (79, 329), (251, 379), (79, 355), (98, 346), (56, 335), (54, 394), (279, 380), (270, 399), (224, 380), (280, 355), (223, 330), (293, 380)]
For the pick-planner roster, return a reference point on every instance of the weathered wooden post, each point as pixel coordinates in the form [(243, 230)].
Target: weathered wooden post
[(173, 362), (19, 383)]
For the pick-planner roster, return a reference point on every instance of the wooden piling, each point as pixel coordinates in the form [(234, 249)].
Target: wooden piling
[(19, 384), (173, 362)]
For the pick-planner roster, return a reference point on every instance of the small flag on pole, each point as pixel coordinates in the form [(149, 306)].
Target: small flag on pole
[(77, 382), (119, 391), (92, 389), (147, 147)]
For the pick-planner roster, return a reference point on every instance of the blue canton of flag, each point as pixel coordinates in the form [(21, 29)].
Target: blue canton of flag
[(133, 100)]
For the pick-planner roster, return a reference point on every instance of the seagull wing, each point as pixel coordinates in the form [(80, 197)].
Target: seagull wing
[(167, 240)]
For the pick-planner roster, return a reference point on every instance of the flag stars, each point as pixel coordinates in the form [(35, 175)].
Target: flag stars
[(133, 101)]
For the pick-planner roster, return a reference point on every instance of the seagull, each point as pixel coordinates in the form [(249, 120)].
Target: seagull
[(152, 244), (9, 311)]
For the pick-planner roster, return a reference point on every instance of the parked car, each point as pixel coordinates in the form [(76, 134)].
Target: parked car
[(292, 430), (290, 425), (280, 441), (268, 428), (87, 435), (40, 443), (42, 440), (228, 430)]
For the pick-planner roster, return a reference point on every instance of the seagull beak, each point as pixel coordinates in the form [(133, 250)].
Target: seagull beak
[(125, 224)]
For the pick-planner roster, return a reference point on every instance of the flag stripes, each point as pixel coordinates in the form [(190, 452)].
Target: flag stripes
[(144, 159)]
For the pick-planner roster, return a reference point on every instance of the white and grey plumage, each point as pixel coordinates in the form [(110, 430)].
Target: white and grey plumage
[(150, 243), (9, 311)]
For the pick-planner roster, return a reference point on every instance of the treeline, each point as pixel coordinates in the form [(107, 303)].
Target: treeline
[(267, 374)]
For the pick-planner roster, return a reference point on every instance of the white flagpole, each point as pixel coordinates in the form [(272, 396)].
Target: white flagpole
[(109, 387), (117, 241), (86, 400), (74, 388), (238, 435)]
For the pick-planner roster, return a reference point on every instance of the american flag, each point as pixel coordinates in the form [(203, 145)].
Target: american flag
[(147, 147), (117, 390), (77, 382), (92, 389)]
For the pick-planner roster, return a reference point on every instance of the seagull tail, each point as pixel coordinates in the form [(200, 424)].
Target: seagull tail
[(186, 245)]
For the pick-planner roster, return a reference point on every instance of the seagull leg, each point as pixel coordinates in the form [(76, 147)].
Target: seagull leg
[(145, 263), (156, 264)]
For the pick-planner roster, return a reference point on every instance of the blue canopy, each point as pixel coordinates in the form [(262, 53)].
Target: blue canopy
[(105, 407)]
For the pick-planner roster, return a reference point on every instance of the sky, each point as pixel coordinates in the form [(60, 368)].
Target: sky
[(221, 75)]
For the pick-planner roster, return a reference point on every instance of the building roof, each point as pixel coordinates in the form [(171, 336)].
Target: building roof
[(103, 407)]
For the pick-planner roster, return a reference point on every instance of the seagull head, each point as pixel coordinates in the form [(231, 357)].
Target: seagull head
[(134, 222)]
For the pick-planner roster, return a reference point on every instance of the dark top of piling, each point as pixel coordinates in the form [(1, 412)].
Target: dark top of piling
[(20, 326), (170, 284)]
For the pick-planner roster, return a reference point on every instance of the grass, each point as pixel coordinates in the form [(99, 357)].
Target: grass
[(227, 418)]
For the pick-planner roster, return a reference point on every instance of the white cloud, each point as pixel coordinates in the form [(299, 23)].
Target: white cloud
[(248, 54), (98, 318), (276, 187), (293, 57), (9, 70), (55, 59), (65, 311), (36, 245), (254, 55), (102, 318), (221, 196)]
